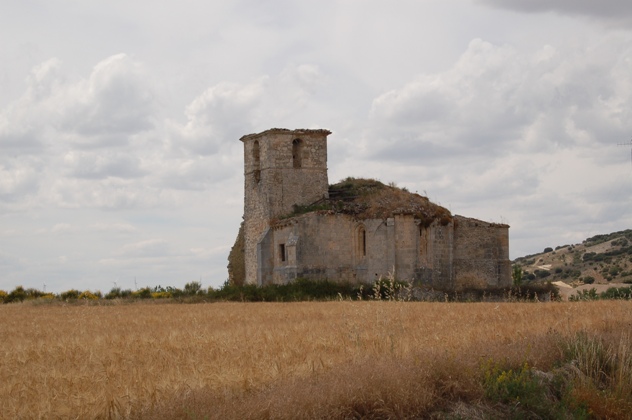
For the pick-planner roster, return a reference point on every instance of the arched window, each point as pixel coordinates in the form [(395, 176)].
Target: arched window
[(256, 159), (297, 150), (361, 241)]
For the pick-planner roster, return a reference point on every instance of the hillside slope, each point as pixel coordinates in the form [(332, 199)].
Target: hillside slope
[(601, 259)]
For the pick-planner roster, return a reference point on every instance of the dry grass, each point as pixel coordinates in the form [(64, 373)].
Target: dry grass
[(267, 360)]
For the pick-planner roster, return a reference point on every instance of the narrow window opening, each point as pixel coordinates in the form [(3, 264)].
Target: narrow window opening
[(297, 149), (282, 252), (361, 241), (255, 152), (256, 161)]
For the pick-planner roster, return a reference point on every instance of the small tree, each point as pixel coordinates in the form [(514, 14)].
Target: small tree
[(516, 275), (69, 294), (192, 288), (17, 295)]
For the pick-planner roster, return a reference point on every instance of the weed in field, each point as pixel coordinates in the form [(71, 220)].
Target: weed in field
[(601, 373), (528, 393)]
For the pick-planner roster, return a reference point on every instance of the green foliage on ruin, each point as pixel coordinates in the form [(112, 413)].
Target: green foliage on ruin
[(371, 199)]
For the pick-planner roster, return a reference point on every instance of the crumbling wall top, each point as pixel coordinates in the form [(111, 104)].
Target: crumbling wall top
[(298, 132), (471, 222)]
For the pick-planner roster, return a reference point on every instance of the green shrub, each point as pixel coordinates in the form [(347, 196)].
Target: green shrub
[(588, 280), (617, 293), (520, 389), (192, 288), (16, 295), (298, 290), (508, 385), (3, 296), (584, 295), (144, 293), (516, 275), (69, 294)]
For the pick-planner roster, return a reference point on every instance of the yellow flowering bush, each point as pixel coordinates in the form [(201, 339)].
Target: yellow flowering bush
[(88, 296), (511, 386)]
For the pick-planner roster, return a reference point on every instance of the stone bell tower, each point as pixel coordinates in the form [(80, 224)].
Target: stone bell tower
[(282, 168)]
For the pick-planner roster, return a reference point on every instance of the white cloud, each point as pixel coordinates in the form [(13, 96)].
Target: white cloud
[(104, 164), (18, 179), (61, 228), (123, 228), (615, 11), (114, 103), (220, 114), (109, 107), (149, 248), (495, 99)]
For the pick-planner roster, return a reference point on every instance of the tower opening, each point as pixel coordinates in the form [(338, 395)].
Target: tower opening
[(297, 151), (256, 158)]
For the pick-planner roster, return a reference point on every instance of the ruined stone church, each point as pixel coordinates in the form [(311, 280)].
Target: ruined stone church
[(296, 225)]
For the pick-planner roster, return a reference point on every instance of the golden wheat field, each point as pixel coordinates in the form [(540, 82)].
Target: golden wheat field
[(274, 360)]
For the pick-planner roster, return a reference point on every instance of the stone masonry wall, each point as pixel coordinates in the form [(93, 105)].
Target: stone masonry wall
[(435, 256), (281, 168), (319, 246), (463, 254), (481, 254)]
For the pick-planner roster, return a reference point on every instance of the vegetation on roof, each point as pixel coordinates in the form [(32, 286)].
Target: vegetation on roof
[(371, 199)]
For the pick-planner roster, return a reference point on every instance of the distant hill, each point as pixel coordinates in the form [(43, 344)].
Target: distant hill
[(600, 260)]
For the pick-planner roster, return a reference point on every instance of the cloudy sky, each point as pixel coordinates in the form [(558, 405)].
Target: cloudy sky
[(120, 160)]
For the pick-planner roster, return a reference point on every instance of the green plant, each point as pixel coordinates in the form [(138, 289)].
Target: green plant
[(584, 295), (69, 294), (192, 288), (516, 275), (588, 280), (624, 293), (114, 293), (16, 295), (144, 293), (518, 388)]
